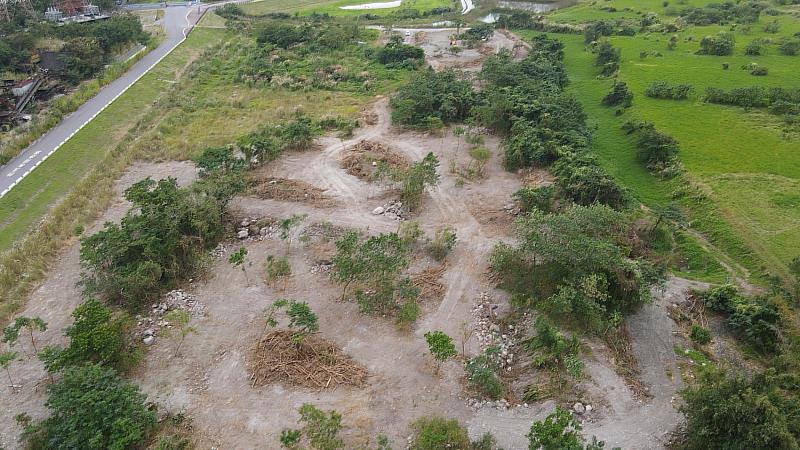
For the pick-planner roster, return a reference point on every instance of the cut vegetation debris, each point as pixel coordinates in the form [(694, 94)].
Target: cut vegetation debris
[(312, 362), (287, 190), (366, 158)]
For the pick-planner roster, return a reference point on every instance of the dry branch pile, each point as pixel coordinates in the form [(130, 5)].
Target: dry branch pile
[(313, 363), (359, 159), (287, 190), (429, 282)]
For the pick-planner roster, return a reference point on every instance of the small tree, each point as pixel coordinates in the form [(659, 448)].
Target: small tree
[(239, 259), (11, 332), (301, 317), (180, 320), (287, 225), (5, 362), (441, 347), (416, 179)]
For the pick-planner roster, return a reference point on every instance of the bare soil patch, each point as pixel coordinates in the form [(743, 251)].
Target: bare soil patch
[(364, 159), (312, 362)]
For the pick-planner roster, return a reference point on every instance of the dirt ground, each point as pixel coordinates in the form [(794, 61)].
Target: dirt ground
[(210, 382)]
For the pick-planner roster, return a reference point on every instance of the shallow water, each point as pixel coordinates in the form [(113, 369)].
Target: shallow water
[(540, 7)]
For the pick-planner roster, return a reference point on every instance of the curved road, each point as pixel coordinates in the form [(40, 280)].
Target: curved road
[(177, 22)]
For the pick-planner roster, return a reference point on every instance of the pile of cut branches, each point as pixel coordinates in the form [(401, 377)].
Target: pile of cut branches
[(287, 190), (429, 282), (359, 159), (312, 362)]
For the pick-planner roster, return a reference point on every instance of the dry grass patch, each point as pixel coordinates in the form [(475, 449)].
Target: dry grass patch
[(312, 362)]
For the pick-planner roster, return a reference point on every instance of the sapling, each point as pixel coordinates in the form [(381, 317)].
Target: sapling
[(441, 347), (180, 319), (238, 259), (11, 332), (5, 361)]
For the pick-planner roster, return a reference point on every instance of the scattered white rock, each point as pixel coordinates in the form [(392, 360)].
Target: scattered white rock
[(148, 340), (579, 408), (243, 233), (379, 210)]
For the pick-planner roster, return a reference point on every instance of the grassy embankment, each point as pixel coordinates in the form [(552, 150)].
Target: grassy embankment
[(746, 164)]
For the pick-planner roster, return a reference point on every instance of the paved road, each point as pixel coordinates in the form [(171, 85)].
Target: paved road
[(177, 21)]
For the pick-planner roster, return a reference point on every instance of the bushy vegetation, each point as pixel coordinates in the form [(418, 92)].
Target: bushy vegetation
[(779, 101), (607, 58), (720, 13), (575, 264), (436, 433), (721, 44), (97, 335), (725, 411), (86, 48), (396, 54), (666, 90), (374, 266), (91, 407), (756, 319), (432, 97), (552, 351), (620, 95), (559, 430), (657, 151), (162, 239), (482, 374)]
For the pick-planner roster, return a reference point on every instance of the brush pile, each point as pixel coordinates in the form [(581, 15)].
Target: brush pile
[(312, 362), (362, 160)]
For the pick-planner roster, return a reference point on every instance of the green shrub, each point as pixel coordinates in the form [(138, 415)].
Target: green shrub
[(559, 431), (620, 95), (92, 408), (441, 95), (96, 336), (438, 433), (700, 335), (482, 375), (541, 198), (720, 45), (665, 90), (162, 239), (442, 243), (724, 412)]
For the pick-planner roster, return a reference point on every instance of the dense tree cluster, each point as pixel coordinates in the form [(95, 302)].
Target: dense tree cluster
[(397, 54), (576, 263), (86, 47), (721, 13), (780, 101), (620, 95), (431, 97), (544, 125)]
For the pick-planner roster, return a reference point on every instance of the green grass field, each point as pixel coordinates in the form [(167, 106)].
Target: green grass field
[(32, 198), (748, 163)]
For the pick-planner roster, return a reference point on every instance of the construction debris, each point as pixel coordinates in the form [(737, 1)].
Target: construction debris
[(312, 362)]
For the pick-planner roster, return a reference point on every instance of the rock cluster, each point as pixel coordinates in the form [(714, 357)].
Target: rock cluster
[(392, 210), (323, 267), (489, 333), (512, 209), (154, 322), (252, 228)]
